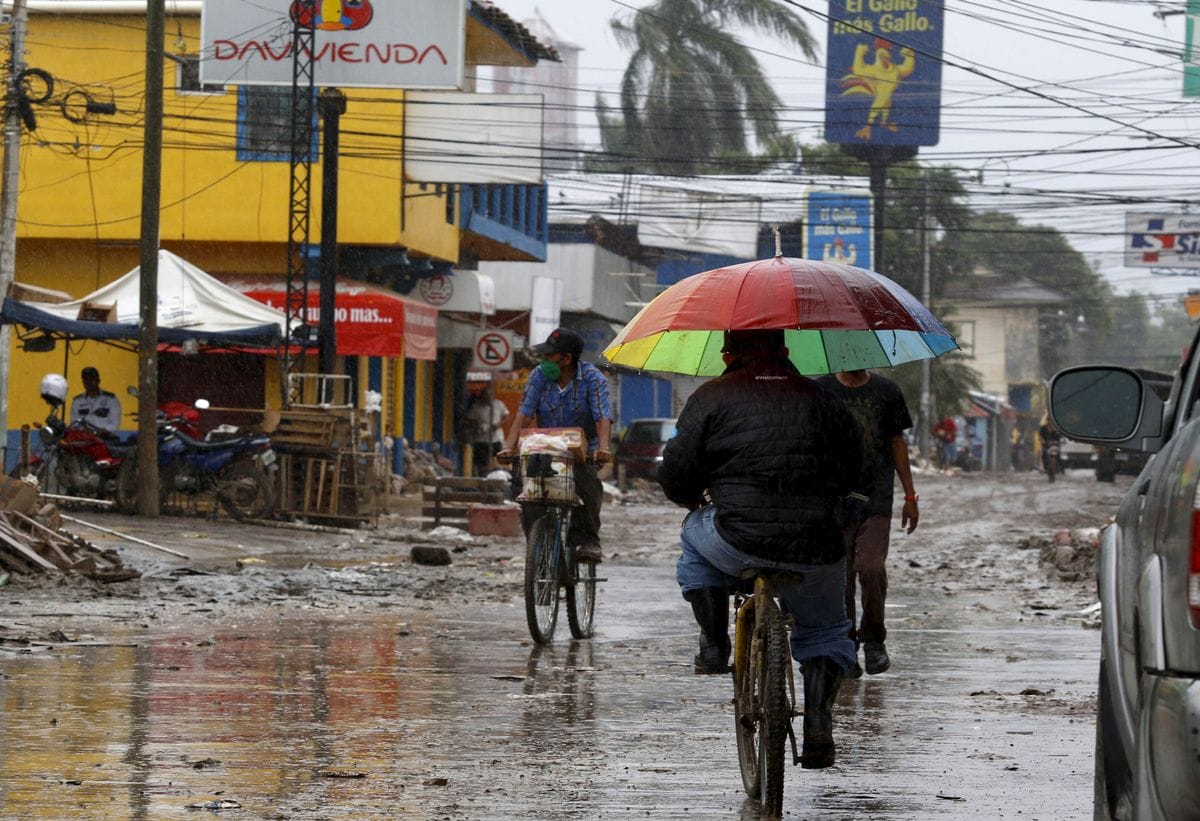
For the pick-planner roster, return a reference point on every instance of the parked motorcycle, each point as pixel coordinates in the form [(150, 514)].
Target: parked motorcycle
[(78, 459), (234, 467)]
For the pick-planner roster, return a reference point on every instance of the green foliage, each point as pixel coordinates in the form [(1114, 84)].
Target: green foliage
[(951, 380), (1141, 337), (693, 93)]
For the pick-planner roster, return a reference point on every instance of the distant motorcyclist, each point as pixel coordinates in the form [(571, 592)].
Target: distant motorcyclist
[(1050, 440), (99, 408)]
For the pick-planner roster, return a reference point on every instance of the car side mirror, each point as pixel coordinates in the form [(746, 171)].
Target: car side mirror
[(1105, 405)]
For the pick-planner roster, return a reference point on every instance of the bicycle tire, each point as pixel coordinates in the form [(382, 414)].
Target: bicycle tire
[(542, 578), (776, 711), (745, 699), (581, 600)]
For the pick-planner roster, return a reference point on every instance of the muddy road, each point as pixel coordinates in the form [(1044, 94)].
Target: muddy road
[(286, 674)]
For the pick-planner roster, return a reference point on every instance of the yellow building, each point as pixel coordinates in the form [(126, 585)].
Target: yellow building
[(226, 194)]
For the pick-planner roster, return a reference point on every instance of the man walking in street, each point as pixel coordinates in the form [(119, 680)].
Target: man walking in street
[(878, 405), (773, 452)]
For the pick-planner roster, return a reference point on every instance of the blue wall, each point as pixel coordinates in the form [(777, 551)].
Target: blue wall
[(642, 396)]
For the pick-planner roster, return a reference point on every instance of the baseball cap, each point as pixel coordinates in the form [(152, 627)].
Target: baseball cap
[(561, 340), (90, 373)]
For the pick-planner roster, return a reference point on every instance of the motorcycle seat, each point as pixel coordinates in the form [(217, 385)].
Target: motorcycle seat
[(244, 440)]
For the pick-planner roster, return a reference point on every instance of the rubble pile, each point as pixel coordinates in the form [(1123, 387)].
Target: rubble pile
[(32, 541), (1070, 553)]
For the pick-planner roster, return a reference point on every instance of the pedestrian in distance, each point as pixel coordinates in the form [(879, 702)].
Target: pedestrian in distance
[(566, 392), (487, 416), (946, 434), (99, 408), (760, 457), (878, 405)]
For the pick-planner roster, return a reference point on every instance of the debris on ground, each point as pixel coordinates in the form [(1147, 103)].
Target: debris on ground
[(32, 541), (1071, 554)]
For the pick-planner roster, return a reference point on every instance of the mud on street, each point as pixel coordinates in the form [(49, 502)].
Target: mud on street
[(286, 674)]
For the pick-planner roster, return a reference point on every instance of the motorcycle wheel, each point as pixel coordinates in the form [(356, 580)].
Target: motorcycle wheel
[(244, 490)]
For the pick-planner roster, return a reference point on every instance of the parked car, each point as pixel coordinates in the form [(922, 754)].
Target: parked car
[(639, 449), (1147, 762), (1077, 454)]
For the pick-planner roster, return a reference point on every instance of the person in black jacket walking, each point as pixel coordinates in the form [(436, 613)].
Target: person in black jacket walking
[(774, 453)]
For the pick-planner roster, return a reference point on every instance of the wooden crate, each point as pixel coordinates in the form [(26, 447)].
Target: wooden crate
[(344, 485), (302, 431)]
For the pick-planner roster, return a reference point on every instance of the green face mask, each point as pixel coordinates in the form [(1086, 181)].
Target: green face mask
[(550, 369)]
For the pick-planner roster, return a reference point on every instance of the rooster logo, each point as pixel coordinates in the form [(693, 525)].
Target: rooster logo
[(332, 15), (879, 79)]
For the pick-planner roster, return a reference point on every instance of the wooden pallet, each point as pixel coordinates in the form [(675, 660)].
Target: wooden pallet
[(448, 499), (345, 485)]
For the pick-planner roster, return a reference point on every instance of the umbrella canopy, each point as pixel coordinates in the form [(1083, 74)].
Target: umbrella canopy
[(835, 318)]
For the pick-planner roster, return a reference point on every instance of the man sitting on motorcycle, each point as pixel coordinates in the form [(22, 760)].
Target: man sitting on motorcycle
[(97, 407)]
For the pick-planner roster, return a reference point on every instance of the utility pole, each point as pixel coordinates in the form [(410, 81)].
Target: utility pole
[(926, 364), (331, 105), (8, 202), (147, 451)]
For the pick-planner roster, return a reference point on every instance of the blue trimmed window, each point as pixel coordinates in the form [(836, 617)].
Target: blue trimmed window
[(264, 124)]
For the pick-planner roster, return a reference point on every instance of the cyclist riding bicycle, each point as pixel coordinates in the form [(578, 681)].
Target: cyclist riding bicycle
[(564, 392), (775, 452)]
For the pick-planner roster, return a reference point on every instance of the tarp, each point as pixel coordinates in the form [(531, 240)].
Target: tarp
[(192, 305), (369, 320)]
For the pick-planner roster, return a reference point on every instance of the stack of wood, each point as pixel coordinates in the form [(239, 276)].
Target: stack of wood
[(32, 541)]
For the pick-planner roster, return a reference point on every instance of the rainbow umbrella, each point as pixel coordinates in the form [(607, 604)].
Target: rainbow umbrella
[(835, 318)]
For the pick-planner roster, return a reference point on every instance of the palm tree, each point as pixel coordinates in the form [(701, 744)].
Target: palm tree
[(692, 90)]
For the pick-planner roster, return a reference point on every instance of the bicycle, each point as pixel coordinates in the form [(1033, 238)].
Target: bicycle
[(548, 496), (764, 687)]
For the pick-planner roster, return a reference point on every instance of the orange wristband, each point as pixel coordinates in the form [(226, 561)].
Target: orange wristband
[(912, 498)]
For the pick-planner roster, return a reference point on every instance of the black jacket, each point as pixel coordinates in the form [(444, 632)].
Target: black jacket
[(775, 452)]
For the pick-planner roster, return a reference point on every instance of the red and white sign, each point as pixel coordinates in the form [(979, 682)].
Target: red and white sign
[(357, 43), (493, 350), (368, 321)]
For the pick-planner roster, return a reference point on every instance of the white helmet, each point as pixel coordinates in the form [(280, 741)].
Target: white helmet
[(54, 389)]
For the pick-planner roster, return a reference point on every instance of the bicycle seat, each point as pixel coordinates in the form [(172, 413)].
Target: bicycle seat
[(773, 575)]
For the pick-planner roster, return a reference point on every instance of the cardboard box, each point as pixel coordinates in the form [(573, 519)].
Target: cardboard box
[(494, 520), (98, 312)]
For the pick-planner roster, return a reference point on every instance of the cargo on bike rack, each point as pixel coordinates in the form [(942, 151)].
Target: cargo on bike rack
[(545, 474)]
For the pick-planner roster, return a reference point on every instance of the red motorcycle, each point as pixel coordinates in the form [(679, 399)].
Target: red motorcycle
[(78, 459)]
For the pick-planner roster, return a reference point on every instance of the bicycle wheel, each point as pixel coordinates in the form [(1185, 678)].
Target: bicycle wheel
[(541, 578), (581, 600), (746, 697), (776, 711)]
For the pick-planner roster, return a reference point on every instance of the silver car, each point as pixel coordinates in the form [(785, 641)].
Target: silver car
[(1148, 711)]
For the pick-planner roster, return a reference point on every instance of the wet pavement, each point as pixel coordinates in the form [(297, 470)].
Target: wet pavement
[(443, 708)]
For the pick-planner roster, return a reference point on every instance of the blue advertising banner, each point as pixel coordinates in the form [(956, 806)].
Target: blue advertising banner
[(883, 81), (837, 227)]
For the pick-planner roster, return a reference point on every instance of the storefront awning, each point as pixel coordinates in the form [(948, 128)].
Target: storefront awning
[(369, 321)]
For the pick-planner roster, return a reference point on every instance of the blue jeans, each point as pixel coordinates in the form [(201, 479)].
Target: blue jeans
[(818, 606)]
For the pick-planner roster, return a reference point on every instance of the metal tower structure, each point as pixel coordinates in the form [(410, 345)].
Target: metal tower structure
[(300, 208)]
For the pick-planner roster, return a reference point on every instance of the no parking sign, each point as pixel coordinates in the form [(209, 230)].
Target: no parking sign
[(493, 351)]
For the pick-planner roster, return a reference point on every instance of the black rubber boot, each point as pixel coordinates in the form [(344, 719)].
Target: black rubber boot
[(822, 678), (710, 606)]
